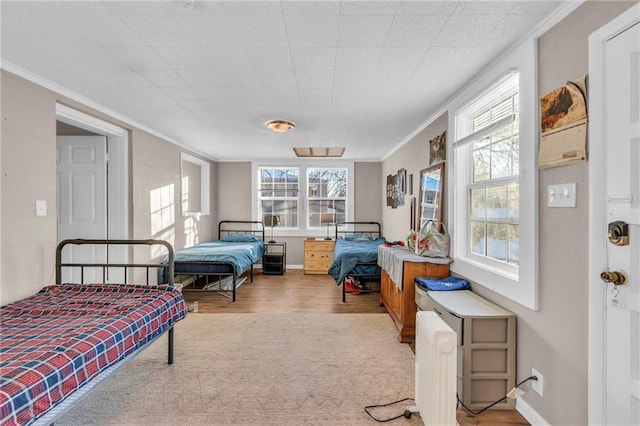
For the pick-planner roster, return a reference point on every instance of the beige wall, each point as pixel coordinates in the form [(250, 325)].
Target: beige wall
[(156, 167), (413, 156), (552, 340), (368, 194), (29, 174)]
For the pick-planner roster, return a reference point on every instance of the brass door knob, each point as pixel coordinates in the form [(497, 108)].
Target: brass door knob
[(614, 277)]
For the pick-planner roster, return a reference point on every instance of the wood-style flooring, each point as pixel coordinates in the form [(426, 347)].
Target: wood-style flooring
[(295, 292)]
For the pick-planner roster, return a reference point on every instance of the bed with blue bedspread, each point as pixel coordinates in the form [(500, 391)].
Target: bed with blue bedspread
[(239, 246), (356, 252)]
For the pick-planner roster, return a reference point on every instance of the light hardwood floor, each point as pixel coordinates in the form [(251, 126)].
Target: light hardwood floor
[(295, 292)]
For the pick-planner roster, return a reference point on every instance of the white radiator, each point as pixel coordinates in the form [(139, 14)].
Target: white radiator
[(436, 353)]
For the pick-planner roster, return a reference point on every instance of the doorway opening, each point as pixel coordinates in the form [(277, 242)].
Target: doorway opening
[(115, 208)]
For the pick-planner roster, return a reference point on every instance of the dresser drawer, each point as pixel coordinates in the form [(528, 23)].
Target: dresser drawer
[(319, 245), (318, 255), (317, 265)]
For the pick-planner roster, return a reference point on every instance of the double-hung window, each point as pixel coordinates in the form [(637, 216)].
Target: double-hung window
[(489, 126), (492, 173), (327, 195), (308, 198), (278, 192)]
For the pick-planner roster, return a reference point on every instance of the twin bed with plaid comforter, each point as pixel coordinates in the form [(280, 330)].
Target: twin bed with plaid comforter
[(55, 342)]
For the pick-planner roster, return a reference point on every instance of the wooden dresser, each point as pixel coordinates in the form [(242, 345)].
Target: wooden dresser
[(318, 256), (399, 298)]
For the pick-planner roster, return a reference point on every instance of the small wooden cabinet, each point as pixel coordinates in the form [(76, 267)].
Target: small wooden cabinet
[(318, 256), (399, 300)]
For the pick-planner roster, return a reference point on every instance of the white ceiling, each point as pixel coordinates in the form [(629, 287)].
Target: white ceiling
[(206, 74)]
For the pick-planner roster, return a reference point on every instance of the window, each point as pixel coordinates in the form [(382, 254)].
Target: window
[(490, 128), (195, 184), (327, 194), (303, 196), (493, 174), (279, 190)]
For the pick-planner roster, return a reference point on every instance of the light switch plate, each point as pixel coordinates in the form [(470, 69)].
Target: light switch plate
[(41, 207), (562, 195)]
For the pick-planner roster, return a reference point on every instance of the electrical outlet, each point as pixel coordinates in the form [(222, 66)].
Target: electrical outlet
[(537, 385)]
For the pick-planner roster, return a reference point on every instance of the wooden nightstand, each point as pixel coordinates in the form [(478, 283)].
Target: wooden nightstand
[(274, 259), (318, 256)]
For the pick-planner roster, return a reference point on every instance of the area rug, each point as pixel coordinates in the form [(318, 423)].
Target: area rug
[(260, 369)]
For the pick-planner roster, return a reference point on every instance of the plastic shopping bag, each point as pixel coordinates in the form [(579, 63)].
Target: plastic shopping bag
[(433, 240)]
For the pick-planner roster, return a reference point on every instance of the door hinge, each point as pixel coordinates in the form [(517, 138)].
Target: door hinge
[(107, 158)]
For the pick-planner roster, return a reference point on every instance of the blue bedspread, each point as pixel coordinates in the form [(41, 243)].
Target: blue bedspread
[(240, 254), (348, 253)]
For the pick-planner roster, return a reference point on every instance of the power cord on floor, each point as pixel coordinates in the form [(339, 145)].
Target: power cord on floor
[(475, 413), (406, 413)]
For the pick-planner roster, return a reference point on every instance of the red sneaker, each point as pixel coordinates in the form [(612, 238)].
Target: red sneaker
[(349, 287)]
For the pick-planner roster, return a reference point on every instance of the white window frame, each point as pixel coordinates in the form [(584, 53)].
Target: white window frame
[(303, 199), (205, 188), (520, 283)]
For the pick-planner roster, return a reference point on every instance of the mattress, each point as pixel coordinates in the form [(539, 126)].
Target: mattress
[(56, 341)]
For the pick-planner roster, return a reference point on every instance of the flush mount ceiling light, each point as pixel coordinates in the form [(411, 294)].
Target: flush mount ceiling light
[(319, 151), (280, 126)]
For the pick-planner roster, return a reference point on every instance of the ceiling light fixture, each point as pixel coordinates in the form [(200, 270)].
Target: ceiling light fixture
[(280, 126)]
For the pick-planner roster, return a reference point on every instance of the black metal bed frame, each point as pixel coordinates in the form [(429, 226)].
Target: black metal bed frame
[(356, 229), (222, 229), (169, 266), (56, 412)]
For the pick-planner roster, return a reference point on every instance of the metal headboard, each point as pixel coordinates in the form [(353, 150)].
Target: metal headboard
[(249, 228), (168, 267), (367, 228)]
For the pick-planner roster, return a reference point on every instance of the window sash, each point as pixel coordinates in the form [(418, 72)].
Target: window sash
[(322, 202), (487, 123)]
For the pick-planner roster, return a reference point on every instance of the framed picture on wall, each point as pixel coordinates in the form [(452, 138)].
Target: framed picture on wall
[(391, 191), (437, 148), (401, 178)]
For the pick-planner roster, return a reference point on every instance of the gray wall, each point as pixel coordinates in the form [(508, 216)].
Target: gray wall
[(29, 173), (412, 156), (552, 340)]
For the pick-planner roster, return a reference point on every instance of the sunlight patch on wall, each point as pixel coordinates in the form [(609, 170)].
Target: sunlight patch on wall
[(162, 216), (191, 231)]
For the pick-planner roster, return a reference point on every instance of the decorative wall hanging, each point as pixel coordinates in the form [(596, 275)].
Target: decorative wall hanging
[(438, 148), (401, 178), (391, 191), (563, 121)]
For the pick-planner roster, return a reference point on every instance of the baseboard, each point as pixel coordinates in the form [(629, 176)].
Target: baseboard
[(295, 266), (291, 266), (530, 414)]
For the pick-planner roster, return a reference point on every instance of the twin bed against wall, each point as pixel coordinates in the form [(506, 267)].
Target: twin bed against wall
[(61, 343), (356, 253)]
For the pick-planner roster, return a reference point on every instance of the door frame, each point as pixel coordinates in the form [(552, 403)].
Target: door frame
[(597, 213), (118, 174)]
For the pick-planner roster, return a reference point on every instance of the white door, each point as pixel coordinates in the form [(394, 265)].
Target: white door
[(617, 123), (82, 200)]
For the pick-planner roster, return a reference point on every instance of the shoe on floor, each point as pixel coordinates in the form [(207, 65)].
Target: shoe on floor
[(349, 287)]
